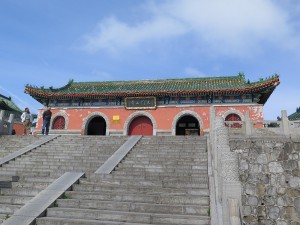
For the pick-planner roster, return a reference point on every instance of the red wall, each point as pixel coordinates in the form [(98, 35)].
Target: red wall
[(18, 127), (164, 116)]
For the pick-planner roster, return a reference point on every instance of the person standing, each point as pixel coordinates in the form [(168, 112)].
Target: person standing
[(26, 119), (46, 121)]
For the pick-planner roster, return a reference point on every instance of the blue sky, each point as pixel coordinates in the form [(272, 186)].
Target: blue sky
[(47, 43)]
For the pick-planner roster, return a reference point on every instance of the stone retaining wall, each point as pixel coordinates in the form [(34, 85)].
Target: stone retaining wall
[(269, 170)]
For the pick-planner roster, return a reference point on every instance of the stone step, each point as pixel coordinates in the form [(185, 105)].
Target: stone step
[(161, 154), (172, 140), (29, 172), (52, 162), (129, 170), (201, 183), (174, 144), (90, 187), (159, 166), (71, 166), (81, 147), (67, 155), (60, 159), (159, 147), (21, 191), (171, 162), (147, 176), (22, 184), (133, 207), (72, 221), (63, 159), (84, 145), (46, 179), (68, 221), (9, 208), (50, 170), (15, 200), (139, 172), (159, 198), (170, 148), (9, 177), (24, 174), (161, 157), (127, 216), (88, 149), (163, 160), (141, 178)]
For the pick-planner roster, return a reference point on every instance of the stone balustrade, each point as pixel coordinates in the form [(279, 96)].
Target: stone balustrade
[(283, 127), (6, 122)]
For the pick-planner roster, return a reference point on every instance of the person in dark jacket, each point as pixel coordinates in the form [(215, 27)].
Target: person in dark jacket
[(46, 121)]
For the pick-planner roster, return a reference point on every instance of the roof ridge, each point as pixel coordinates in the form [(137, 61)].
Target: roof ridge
[(238, 77)]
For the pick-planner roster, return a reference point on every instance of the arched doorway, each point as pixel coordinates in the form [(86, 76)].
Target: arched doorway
[(59, 123), (97, 126), (141, 125), (187, 125), (233, 117)]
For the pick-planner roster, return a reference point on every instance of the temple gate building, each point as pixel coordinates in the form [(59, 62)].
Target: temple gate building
[(151, 107)]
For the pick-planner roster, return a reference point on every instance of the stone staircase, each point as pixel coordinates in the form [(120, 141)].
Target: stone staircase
[(163, 180), (12, 143), (36, 170)]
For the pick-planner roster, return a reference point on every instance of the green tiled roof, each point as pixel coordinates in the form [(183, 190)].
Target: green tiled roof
[(295, 115), (160, 87), (7, 104)]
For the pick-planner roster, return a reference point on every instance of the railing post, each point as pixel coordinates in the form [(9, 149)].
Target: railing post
[(229, 186), (1, 121), (285, 123), (248, 124), (11, 123), (234, 211), (212, 119)]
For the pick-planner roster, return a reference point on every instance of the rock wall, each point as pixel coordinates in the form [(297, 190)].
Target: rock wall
[(269, 170)]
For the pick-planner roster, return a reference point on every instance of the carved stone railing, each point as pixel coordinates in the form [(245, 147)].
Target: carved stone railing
[(294, 124), (283, 127), (236, 127), (6, 122)]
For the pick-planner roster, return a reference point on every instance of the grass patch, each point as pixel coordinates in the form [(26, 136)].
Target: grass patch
[(65, 196), (7, 216)]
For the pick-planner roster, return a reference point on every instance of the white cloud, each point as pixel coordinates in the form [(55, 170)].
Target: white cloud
[(193, 72), (114, 35), (231, 27)]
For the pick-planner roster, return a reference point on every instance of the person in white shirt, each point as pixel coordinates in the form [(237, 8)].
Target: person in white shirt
[(26, 118)]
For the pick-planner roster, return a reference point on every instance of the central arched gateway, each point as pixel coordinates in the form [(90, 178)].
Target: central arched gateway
[(97, 126), (187, 125), (141, 125)]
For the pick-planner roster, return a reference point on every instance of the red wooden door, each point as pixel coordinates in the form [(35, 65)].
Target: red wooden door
[(141, 126), (59, 123)]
